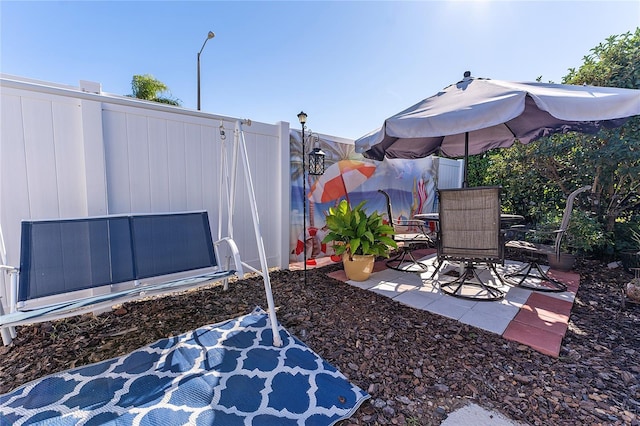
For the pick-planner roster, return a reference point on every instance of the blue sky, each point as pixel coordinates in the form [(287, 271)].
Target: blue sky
[(347, 64)]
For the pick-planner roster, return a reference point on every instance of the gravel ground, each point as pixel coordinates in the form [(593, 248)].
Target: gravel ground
[(418, 367)]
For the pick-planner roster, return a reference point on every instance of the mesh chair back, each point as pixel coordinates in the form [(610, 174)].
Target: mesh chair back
[(405, 229), (566, 217), (470, 224), (60, 256), (398, 229)]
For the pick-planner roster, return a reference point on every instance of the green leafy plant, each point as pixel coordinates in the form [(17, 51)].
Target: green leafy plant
[(149, 88), (355, 232), (583, 235), (537, 177)]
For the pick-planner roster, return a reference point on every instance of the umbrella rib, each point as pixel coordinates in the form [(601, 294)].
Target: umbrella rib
[(510, 131)]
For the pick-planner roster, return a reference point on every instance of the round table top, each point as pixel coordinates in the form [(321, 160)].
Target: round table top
[(506, 217)]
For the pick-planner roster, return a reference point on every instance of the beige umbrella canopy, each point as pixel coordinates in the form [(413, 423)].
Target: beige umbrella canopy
[(476, 115)]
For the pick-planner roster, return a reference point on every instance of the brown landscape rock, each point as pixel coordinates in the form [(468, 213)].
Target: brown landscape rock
[(417, 366)]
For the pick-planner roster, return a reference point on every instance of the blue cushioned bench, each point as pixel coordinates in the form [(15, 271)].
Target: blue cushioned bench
[(72, 266)]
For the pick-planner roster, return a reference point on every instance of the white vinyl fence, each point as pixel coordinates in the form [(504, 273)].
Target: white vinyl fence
[(70, 152), (65, 152)]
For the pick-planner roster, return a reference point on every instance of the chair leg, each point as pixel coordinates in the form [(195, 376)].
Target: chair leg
[(526, 272), (454, 288), (406, 256), (437, 265), (495, 272)]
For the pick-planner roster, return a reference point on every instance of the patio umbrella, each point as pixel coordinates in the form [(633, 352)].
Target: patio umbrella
[(339, 179), (476, 115)]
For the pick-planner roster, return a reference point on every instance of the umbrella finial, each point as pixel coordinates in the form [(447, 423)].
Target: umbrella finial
[(467, 74)]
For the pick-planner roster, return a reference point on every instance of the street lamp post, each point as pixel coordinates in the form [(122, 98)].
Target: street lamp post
[(316, 160), (209, 36)]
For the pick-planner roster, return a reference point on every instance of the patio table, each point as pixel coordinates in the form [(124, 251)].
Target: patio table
[(506, 219)]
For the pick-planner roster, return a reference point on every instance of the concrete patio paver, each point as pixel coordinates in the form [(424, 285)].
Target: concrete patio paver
[(450, 308), (535, 319), (485, 321), (549, 305), (420, 297), (543, 341)]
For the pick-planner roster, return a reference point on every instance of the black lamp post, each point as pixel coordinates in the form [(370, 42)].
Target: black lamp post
[(316, 167), (209, 36)]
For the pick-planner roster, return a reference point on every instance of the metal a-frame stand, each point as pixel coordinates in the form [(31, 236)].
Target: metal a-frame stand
[(229, 182)]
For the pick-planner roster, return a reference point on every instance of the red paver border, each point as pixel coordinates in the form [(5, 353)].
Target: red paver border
[(543, 320)]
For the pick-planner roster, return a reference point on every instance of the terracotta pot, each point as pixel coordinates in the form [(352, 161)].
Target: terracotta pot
[(360, 268), (565, 263)]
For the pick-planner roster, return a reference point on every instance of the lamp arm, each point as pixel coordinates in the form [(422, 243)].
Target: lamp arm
[(202, 48)]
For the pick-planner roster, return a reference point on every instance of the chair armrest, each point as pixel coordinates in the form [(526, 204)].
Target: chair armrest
[(516, 232), (411, 222), (9, 268), (235, 253), (533, 235), (12, 297), (419, 226), (549, 232)]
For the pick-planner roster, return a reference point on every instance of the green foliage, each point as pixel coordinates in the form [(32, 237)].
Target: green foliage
[(537, 178), (613, 156), (632, 231), (614, 63), (354, 232), (148, 88), (585, 234), (476, 170)]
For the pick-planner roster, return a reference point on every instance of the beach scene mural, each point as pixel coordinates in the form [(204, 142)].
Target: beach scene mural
[(348, 175)]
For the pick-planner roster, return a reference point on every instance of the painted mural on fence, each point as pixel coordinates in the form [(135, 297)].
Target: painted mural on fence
[(348, 175)]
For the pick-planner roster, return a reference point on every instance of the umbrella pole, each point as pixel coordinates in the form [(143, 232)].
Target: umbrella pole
[(465, 183), (346, 194)]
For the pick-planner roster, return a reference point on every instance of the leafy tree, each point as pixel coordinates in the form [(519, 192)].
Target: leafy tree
[(614, 63), (614, 155), (477, 169), (538, 177), (148, 88)]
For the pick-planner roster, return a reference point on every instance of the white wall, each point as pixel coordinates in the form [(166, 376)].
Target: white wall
[(68, 153), (450, 172)]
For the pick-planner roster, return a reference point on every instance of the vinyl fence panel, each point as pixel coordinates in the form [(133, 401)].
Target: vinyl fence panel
[(68, 153)]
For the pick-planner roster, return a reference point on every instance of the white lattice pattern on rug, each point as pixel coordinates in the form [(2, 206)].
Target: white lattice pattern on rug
[(228, 373)]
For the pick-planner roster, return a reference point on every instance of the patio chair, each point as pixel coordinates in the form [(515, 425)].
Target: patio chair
[(408, 234), (535, 251), (469, 234)]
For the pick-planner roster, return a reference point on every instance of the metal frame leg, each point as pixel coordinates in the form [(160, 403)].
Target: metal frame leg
[(401, 258), (470, 272), (526, 272)]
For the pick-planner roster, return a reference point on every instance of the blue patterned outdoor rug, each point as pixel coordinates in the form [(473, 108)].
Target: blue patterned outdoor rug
[(224, 374)]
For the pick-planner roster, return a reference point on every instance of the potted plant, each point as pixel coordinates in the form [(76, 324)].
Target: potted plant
[(358, 237)]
